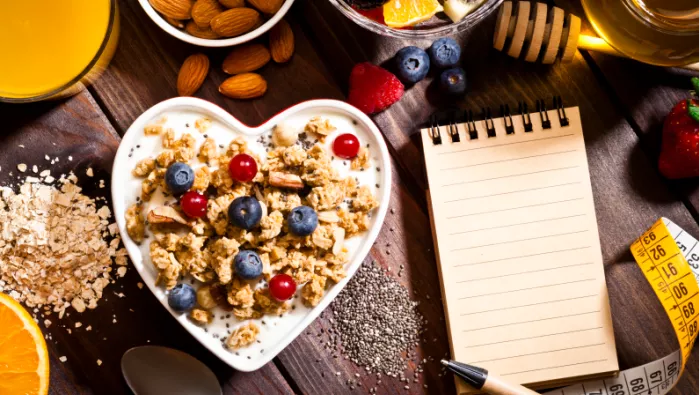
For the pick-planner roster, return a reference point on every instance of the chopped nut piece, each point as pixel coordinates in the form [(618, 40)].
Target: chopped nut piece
[(22, 167), (204, 298), (284, 135), (285, 180), (330, 216), (166, 215)]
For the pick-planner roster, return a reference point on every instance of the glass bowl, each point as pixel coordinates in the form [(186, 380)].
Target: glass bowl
[(437, 26)]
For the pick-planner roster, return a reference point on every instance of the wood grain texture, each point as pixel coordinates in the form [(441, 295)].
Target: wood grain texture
[(77, 127)]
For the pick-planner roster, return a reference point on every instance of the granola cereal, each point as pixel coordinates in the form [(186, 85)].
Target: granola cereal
[(291, 172), (243, 336)]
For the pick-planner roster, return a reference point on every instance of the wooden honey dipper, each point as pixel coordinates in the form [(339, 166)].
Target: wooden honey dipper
[(551, 33)]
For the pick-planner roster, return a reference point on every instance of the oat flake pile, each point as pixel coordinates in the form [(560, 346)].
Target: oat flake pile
[(53, 251)]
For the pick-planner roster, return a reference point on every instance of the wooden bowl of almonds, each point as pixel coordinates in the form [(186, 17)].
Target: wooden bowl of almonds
[(216, 23)]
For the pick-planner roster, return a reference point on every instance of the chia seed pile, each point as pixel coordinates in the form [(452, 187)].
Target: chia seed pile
[(376, 323)]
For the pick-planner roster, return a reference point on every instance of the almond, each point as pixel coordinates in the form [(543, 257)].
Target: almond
[(196, 31), (192, 74), (235, 22), (166, 215), (285, 180), (266, 6), (281, 42), (174, 22), (244, 86), (246, 58), (204, 10), (176, 9), (232, 3)]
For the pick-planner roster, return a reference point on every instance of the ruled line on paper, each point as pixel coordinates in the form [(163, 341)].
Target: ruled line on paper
[(509, 176), (537, 353), (523, 256), (511, 192), (529, 321), (527, 289), (514, 208), (517, 224), (534, 337), (508, 160), (528, 305), (501, 145), (520, 240), (554, 367), (525, 272)]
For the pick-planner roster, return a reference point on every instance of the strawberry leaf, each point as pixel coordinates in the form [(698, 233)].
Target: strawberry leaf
[(693, 110), (694, 80)]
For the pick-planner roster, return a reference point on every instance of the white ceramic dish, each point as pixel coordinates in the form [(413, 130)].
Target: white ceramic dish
[(220, 42), (277, 332)]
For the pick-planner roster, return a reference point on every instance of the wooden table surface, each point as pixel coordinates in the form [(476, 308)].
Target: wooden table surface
[(622, 103)]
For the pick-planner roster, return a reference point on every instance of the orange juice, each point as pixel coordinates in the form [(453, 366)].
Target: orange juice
[(52, 47)]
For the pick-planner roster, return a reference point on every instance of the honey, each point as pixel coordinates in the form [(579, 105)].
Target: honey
[(52, 48), (660, 32)]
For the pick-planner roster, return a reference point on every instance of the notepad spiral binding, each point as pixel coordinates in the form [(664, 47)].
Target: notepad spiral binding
[(467, 118)]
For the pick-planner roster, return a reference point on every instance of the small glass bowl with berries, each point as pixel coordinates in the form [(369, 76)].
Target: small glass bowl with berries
[(416, 19)]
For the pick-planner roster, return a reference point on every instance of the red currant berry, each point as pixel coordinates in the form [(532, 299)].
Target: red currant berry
[(194, 204), (243, 168), (346, 146), (282, 287)]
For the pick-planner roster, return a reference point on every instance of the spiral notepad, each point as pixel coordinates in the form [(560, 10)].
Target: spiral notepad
[(517, 246)]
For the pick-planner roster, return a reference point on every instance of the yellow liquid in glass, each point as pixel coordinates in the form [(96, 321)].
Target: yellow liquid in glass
[(45, 44), (661, 32)]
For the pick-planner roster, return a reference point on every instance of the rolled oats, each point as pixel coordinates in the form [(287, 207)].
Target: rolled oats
[(52, 249)]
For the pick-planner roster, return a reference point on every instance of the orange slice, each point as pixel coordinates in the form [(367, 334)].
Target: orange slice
[(24, 360), (405, 13)]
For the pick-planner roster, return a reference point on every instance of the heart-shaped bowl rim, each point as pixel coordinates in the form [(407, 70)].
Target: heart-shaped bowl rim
[(218, 42), (120, 170)]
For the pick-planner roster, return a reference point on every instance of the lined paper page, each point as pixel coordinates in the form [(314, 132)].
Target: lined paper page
[(519, 254)]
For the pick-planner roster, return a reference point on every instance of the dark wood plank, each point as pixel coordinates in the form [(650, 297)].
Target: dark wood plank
[(77, 127)]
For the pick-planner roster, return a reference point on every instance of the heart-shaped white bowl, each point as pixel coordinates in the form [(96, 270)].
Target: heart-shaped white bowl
[(275, 332)]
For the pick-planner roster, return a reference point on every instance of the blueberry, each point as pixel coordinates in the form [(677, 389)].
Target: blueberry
[(179, 178), (412, 64), (302, 220), (245, 212), (248, 265), (182, 298), (453, 81), (445, 52)]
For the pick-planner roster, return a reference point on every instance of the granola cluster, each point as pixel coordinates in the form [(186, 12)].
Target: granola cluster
[(289, 176)]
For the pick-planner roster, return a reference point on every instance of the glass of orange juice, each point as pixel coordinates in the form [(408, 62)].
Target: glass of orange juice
[(52, 49)]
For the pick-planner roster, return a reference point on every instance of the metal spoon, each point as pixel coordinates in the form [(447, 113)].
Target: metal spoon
[(150, 370)]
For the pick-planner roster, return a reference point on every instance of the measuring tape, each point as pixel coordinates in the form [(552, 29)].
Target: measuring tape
[(669, 257)]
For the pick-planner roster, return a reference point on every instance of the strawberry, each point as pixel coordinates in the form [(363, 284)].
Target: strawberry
[(372, 89), (679, 146)]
